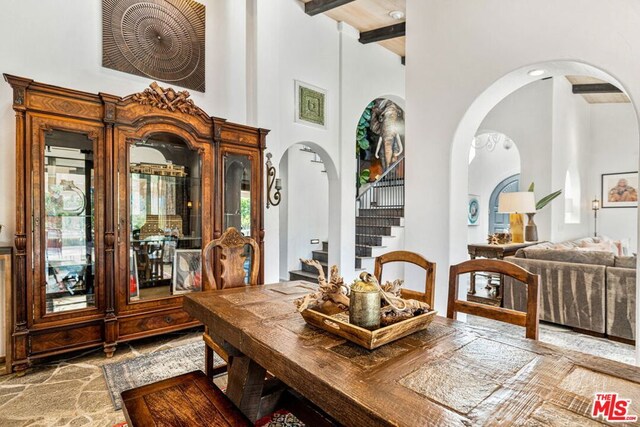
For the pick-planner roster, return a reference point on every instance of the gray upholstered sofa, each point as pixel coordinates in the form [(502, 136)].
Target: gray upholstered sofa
[(589, 290)]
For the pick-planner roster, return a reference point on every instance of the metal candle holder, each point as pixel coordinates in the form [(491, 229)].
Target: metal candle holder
[(271, 179)]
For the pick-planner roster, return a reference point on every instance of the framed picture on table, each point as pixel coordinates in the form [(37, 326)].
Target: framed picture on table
[(473, 210), (187, 271), (620, 190), (134, 281)]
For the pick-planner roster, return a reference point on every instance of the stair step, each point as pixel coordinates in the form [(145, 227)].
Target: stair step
[(359, 260), (373, 230), (369, 239), (303, 275), (312, 269), (381, 221), (322, 256), (365, 250), (382, 211)]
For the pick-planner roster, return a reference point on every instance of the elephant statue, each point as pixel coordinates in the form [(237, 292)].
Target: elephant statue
[(387, 123)]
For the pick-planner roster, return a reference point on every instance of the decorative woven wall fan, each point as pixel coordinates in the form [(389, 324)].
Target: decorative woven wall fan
[(160, 39)]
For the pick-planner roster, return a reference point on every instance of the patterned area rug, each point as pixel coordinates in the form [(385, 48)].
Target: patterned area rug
[(153, 367), (280, 418)]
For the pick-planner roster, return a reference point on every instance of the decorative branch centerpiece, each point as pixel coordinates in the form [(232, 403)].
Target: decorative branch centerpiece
[(361, 311)]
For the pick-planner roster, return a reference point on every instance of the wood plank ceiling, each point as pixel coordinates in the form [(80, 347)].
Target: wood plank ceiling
[(370, 17), (596, 91)]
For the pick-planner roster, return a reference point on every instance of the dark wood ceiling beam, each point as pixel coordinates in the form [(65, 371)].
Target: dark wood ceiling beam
[(384, 33), (591, 88), (315, 7)]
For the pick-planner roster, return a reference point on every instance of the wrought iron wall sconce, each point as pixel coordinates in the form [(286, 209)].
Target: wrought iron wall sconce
[(271, 179), (595, 205)]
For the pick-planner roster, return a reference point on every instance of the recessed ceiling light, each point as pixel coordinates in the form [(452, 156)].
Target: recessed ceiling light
[(396, 14), (537, 72)]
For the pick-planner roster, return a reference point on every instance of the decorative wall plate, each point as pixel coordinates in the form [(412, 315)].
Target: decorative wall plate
[(160, 39), (473, 210), (310, 104)]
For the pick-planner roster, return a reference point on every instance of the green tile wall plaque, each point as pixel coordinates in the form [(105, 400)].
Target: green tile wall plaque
[(310, 105)]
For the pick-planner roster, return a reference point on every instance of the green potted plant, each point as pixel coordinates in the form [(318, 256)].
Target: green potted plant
[(531, 230)]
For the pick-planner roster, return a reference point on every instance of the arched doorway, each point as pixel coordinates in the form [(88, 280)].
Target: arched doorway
[(558, 148), (309, 181), (499, 222)]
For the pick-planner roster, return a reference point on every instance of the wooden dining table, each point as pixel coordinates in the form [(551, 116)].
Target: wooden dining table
[(450, 374)]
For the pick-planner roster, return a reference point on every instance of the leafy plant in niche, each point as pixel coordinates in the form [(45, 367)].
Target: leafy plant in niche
[(364, 176), (362, 141)]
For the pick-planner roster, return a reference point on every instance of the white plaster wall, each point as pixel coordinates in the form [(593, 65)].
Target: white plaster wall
[(526, 117), (447, 70), (486, 171), (614, 148), (319, 51), (570, 151), (293, 46)]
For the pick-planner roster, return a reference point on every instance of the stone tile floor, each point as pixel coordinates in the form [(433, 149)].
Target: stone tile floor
[(73, 392), (566, 338)]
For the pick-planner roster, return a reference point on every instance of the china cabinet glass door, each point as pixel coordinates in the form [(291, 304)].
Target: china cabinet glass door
[(69, 222), (238, 201), (165, 191)]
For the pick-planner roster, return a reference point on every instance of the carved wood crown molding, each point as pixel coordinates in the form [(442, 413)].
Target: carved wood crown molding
[(168, 99)]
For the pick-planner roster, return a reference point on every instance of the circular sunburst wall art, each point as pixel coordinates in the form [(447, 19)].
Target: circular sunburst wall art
[(160, 39)]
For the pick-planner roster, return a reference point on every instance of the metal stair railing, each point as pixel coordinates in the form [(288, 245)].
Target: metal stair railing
[(380, 204)]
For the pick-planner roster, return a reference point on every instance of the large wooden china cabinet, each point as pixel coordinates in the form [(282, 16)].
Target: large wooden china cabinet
[(115, 199)]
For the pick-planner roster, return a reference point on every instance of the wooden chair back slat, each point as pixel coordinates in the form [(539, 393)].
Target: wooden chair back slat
[(231, 247), (529, 319), (412, 258)]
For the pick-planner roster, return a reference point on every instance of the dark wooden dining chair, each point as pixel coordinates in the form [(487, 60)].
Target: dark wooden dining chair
[(529, 319), (232, 249), (412, 258)]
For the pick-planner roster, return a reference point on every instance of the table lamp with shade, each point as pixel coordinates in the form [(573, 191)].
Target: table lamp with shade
[(516, 204)]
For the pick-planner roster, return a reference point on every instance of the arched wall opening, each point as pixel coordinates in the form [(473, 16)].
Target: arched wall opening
[(380, 152), (493, 158), (309, 188), (473, 118)]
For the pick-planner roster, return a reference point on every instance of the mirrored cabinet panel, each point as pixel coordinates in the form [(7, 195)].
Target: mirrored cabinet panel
[(69, 221), (165, 218), (237, 192), (238, 177)]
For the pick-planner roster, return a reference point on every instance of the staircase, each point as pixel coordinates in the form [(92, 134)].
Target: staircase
[(380, 217), (310, 273)]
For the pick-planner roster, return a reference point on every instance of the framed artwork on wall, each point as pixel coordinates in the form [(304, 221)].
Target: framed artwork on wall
[(187, 271), (310, 105), (620, 190), (473, 210), (160, 39)]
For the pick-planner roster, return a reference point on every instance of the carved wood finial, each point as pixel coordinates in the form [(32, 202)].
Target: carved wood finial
[(168, 99), (232, 238)]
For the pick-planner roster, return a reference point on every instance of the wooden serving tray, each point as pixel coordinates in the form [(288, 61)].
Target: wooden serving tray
[(338, 324)]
